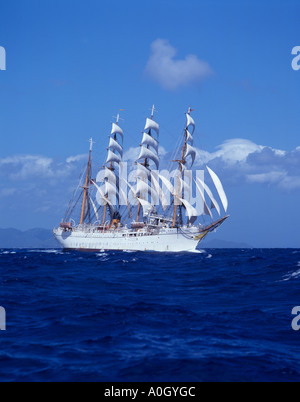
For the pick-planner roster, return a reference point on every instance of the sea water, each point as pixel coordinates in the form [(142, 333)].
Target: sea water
[(215, 315)]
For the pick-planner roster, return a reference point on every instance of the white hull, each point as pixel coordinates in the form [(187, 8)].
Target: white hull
[(168, 240)]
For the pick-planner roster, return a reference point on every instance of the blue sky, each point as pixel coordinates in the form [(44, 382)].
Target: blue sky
[(71, 65)]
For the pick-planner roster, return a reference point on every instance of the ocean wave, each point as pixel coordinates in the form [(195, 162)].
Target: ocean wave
[(197, 251), (149, 316), (293, 275), (46, 251)]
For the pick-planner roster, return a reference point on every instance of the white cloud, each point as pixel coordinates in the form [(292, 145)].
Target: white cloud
[(170, 73), (237, 161), (231, 151), (77, 158), (268, 178), (242, 160), (24, 166), (131, 154)]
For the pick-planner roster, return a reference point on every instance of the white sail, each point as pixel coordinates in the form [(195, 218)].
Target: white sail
[(147, 207), (131, 188), (189, 138), (185, 187), (183, 167), (148, 140), (158, 189), (191, 211), (115, 146), (190, 122), (112, 157), (110, 190), (94, 208), (110, 175), (148, 154), (168, 184), (190, 151), (143, 188), (151, 125), (101, 194), (117, 130), (207, 211), (210, 194), (142, 172), (219, 187)]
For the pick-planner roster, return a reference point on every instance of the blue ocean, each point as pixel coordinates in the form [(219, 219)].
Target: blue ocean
[(215, 315)]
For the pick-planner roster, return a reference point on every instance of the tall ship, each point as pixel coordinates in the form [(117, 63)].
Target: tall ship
[(149, 210)]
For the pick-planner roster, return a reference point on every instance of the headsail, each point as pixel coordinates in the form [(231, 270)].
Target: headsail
[(206, 211), (219, 187), (214, 203)]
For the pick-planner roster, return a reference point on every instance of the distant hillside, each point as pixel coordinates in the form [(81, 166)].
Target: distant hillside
[(33, 238)]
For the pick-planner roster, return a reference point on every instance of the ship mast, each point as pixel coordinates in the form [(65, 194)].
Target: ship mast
[(87, 180), (145, 164), (186, 151), (111, 158), (111, 167), (146, 152)]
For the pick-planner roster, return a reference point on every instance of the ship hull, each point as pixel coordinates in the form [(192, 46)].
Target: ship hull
[(172, 241)]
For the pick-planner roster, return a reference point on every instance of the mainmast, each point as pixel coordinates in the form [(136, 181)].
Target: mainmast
[(115, 154), (149, 151), (187, 150), (87, 181)]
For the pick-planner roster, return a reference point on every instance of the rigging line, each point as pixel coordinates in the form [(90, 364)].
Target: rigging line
[(185, 234), (176, 151), (75, 205), (75, 191)]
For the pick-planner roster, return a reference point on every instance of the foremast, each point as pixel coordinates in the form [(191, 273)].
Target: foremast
[(86, 185)]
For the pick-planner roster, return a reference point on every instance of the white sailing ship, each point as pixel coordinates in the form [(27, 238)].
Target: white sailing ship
[(157, 203)]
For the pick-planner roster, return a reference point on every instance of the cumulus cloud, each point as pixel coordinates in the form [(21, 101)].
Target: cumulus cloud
[(171, 73), (242, 160), (76, 158), (24, 166), (237, 161), (231, 151)]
